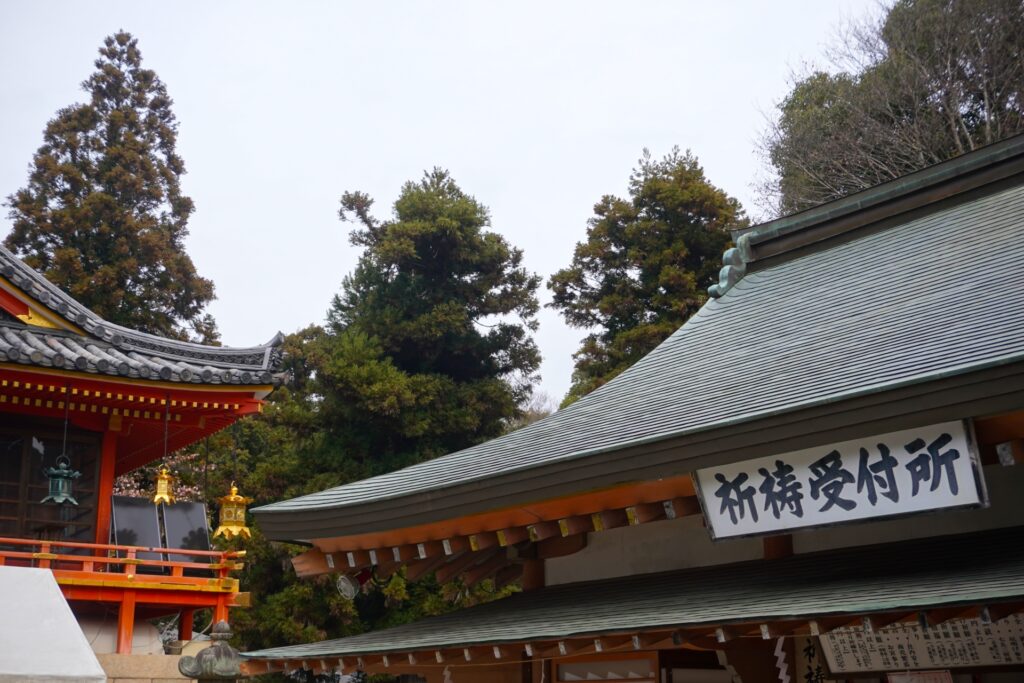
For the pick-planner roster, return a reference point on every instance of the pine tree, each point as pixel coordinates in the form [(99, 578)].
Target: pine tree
[(429, 347), (103, 215), (645, 267)]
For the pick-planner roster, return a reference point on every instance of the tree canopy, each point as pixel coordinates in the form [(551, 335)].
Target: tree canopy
[(103, 215), (427, 349), (927, 81), (645, 266)]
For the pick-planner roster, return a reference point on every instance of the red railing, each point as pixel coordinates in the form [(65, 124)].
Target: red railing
[(107, 563)]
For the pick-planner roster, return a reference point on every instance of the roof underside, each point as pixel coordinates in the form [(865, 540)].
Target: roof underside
[(972, 569), (110, 349), (939, 295)]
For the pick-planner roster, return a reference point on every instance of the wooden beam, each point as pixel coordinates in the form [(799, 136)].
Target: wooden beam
[(777, 547), (724, 634), (313, 562), (542, 530), (384, 570), (509, 574), (455, 545), (357, 559), (997, 613), (643, 513), (404, 553), (879, 621), (682, 507), (418, 570), (507, 537), (608, 519), (429, 549), (483, 540), (484, 570), (561, 546), (456, 566), (572, 526)]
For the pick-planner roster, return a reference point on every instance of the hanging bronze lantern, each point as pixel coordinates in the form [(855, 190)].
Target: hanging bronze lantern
[(232, 515), (164, 487), (61, 477)]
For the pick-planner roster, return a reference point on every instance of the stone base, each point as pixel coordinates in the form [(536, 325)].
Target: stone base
[(141, 668)]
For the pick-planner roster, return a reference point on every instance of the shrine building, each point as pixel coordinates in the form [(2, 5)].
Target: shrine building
[(82, 401), (817, 478)]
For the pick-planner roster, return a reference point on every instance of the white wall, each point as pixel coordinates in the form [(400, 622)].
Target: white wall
[(683, 543)]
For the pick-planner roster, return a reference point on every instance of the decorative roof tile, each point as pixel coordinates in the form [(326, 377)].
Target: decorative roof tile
[(111, 349)]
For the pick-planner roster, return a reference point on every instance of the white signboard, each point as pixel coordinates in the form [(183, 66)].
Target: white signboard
[(915, 470), (950, 645)]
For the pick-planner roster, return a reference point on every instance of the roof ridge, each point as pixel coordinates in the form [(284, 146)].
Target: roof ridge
[(953, 178), (35, 284)]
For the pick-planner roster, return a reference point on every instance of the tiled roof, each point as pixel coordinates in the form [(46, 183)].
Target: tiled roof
[(923, 299), (110, 349), (51, 348), (978, 568)]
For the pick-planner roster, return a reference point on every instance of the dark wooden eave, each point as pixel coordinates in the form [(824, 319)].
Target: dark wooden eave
[(932, 579)]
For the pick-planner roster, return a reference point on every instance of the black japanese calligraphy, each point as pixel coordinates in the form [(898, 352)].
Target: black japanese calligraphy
[(878, 475), (735, 498), (828, 477), (929, 466), (781, 490)]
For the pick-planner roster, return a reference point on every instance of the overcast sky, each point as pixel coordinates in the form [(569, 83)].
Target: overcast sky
[(537, 109)]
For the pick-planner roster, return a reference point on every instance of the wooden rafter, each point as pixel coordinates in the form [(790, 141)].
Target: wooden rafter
[(704, 637), (553, 537)]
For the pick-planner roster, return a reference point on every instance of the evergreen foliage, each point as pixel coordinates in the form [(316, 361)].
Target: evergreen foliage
[(930, 80), (645, 267), (427, 349), (103, 215)]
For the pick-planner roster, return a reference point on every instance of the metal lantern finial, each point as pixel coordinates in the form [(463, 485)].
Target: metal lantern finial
[(61, 477), (164, 487), (232, 515)]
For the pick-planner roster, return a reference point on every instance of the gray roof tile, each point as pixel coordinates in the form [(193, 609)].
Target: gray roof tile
[(931, 297), (979, 568), (115, 350)]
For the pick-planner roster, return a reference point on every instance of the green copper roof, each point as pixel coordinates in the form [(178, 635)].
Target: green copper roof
[(981, 568), (864, 315)]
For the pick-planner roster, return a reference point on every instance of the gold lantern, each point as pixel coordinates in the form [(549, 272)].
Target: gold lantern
[(164, 487), (232, 515)]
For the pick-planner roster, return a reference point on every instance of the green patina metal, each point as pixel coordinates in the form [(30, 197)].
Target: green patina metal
[(61, 478)]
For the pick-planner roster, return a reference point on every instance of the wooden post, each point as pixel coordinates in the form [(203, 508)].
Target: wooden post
[(185, 624), (105, 486), (533, 574), (777, 547), (126, 623), (220, 612)]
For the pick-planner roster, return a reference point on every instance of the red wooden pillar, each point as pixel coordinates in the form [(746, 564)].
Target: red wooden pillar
[(105, 485), (185, 624), (126, 623), (220, 612)]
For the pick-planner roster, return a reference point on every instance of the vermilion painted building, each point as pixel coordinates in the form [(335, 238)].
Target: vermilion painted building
[(816, 478), (111, 399)]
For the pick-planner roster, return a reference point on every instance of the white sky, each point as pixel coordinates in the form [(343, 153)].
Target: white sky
[(537, 109)]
